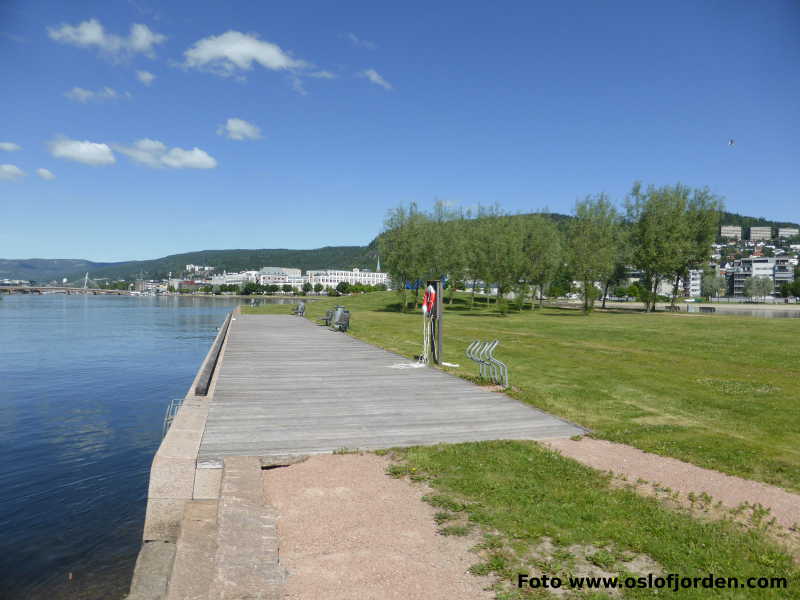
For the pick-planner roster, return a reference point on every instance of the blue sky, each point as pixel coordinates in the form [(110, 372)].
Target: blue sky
[(299, 124)]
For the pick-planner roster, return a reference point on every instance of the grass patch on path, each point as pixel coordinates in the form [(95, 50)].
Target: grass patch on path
[(551, 515), (719, 391)]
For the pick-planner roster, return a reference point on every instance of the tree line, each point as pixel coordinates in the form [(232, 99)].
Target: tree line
[(662, 232)]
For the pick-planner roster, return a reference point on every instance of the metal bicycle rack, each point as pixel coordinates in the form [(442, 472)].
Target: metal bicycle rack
[(489, 367)]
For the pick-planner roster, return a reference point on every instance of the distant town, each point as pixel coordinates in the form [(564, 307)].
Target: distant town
[(741, 256)]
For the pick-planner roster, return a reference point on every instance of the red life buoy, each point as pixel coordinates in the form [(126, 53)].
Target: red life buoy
[(428, 300)]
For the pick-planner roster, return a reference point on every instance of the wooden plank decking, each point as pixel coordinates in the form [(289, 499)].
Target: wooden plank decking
[(288, 386)]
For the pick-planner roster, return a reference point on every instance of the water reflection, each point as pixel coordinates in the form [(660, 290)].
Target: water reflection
[(85, 382), (764, 313)]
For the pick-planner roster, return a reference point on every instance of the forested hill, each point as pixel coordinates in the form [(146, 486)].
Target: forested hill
[(333, 257), (46, 269), (737, 219)]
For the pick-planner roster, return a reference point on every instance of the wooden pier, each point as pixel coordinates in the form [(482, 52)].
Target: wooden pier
[(285, 385), (271, 388)]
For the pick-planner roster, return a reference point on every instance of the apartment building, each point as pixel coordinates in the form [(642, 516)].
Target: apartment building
[(788, 232), (779, 269), (760, 233), (731, 232)]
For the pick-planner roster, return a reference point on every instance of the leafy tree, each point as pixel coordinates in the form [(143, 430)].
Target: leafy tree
[(318, 287), (672, 229), (250, 288), (795, 287), (287, 288), (713, 285), (307, 287), (401, 246), (593, 236), (343, 287), (544, 250), (758, 287)]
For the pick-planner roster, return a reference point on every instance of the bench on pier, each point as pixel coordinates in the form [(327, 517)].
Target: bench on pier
[(300, 311), (326, 320), (343, 323)]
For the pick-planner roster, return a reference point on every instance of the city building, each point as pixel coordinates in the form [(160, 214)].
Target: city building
[(693, 284), (732, 232), (198, 269), (760, 233), (788, 232), (778, 269), (330, 278), (281, 276), (235, 278)]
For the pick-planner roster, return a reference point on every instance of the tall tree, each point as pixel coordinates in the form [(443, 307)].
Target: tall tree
[(544, 250), (401, 247), (592, 239), (672, 229)]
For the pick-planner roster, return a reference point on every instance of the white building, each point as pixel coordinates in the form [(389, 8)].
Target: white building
[(733, 232), (235, 278), (330, 278), (778, 269), (760, 233), (693, 284), (281, 276), (198, 269), (788, 232)]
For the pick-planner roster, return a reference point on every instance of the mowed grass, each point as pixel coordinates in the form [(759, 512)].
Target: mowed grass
[(525, 494), (721, 392)]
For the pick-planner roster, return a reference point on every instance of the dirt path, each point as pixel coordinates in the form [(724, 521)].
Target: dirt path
[(349, 532), (682, 477)]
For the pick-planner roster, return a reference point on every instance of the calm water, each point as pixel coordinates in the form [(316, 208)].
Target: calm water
[(764, 313), (84, 383)]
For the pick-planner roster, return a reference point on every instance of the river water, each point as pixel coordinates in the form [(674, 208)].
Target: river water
[(84, 383)]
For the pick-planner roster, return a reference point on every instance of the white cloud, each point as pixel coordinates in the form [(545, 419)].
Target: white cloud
[(322, 75), (178, 158), (146, 77), (86, 152), (143, 39), (376, 78), (79, 94), (9, 146), (10, 173), (45, 174), (239, 129), (233, 50), (297, 85), (91, 33), (155, 154), (359, 43)]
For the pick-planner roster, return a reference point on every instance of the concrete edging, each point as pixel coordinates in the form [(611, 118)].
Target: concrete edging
[(174, 480)]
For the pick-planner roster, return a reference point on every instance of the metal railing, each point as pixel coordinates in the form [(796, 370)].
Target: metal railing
[(489, 366), (169, 416)]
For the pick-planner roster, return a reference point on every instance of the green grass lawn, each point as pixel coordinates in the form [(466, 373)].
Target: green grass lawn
[(525, 494), (721, 392)]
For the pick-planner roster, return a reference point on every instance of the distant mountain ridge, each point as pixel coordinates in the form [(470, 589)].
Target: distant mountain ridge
[(747, 222), (46, 269), (328, 257)]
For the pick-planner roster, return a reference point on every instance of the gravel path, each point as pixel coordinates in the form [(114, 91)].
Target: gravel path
[(681, 476), (349, 532)]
